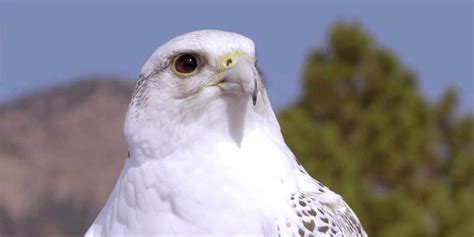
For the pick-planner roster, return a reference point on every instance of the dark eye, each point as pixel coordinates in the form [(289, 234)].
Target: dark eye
[(186, 63)]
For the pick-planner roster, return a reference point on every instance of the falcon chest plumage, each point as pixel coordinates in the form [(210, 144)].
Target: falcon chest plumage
[(223, 178)]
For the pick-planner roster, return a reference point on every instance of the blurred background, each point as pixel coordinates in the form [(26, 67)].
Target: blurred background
[(375, 99)]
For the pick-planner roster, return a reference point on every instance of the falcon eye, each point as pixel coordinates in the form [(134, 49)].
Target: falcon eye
[(185, 64)]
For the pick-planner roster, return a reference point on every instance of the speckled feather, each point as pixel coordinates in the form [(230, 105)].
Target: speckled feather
[(319, 212), (205, 160)]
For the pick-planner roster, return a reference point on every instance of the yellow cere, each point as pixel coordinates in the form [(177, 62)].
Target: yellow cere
[(229, 60)]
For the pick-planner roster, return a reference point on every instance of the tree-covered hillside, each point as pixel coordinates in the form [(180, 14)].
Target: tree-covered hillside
[(362, 127)]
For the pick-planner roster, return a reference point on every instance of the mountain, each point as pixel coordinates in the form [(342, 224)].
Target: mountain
[(61, 151)]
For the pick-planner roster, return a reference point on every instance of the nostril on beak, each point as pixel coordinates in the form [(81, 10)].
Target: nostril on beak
[(228, 62)]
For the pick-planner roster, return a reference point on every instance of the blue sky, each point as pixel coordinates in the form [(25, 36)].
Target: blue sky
[(45, 43)]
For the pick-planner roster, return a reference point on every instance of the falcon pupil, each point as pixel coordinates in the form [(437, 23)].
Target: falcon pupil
[(186, 63)]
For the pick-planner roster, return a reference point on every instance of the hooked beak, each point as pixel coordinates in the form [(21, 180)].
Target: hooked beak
[(242, 73)]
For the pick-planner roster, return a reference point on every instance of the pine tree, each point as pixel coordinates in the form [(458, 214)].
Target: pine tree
[(362, 127)]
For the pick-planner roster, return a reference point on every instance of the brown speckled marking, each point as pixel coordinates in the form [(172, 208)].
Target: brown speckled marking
[(323, 229), (309, 225)]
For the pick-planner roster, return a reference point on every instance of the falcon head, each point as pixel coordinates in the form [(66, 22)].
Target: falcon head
[(200, 65), (199, 77)]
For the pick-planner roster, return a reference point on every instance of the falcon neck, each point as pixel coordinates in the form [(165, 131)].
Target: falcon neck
[(158, 133)]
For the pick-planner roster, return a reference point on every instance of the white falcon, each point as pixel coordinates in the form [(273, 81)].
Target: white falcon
[(206, 155)]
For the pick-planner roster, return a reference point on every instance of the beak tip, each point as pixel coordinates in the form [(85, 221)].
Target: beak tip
[(255, 91)]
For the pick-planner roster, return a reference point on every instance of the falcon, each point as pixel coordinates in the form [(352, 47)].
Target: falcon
[(206, 154)]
